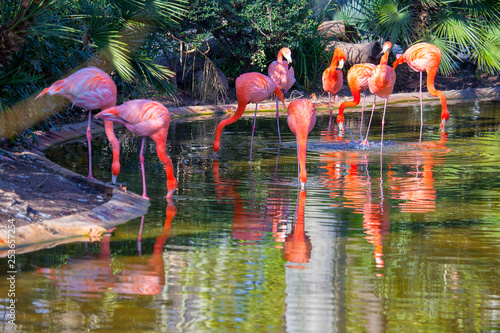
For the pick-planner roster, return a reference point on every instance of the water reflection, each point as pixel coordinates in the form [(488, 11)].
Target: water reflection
[(94, 275), (407, 242), (297, 247)]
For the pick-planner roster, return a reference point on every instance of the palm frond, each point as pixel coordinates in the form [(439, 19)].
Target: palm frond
[(488, 56)]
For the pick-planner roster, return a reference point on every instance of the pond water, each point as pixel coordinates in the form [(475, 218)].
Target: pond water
[(406, 241)]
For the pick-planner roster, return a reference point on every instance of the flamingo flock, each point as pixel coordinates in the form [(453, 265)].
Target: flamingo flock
[(90, 88)]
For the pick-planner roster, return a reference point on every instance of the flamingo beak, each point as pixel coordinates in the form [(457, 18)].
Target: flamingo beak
[(288, 58), (113, 179), (443, 125), (170, 194), (302, 186), (341, 64), (341, 126)]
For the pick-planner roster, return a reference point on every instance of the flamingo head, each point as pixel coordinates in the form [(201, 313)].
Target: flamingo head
[(171, 187), (287, 54), (340, 120), (341, 56), (277, 91), (385, 48)]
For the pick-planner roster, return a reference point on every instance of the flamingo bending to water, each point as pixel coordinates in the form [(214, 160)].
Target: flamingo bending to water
[(146, 118), (90, 88), (357, 77), (250, 88), (426, 57), (301, 120), (282, 76)]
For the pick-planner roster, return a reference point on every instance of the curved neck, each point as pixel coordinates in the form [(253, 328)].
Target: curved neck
[(335, 61), (356, 98), (228, 121), (280, 57), (431, 75), (302, 145)]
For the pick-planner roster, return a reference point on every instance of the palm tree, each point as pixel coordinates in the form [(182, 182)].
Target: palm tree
[(43, 39), (460, 28)]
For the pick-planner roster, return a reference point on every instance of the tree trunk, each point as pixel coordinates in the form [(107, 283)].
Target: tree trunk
[(356, 53)]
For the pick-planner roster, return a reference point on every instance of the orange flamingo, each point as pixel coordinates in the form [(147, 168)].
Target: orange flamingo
[(301, 120), (332, 77), (250, 88), (282, 76), (146, 118), (357, 77), (90, 88), (381, 84), (426, 57)]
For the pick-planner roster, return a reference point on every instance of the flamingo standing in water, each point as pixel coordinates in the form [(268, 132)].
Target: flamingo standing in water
[(357, 77), (426, 57), (282, 76), (301, 120), (146, 118), (332, 77), (90, 88), (381, 84), (250, 87)]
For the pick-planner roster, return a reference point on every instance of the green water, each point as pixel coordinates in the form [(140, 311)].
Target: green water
[(404, 242)]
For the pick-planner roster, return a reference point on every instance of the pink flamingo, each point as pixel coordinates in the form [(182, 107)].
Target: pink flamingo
[(282, 76), (332, 77), (301, 120), (381, 84), (357, 77), (426, 57), (90, 88), (146, 118), (250, 87)]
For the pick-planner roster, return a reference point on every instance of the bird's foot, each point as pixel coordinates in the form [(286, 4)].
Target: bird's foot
[(145, 196), (91, 177)]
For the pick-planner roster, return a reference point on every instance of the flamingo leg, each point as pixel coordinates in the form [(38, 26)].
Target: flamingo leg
[(253, 130), (421, 110), (371, 117), (383, 122), (298, 162), (330, 107), (278, 118), (141, 158), (89, 136), (362, 111), (139, 237)]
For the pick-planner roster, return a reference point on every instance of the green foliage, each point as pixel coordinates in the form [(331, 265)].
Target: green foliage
[(250, 33), (456, 26), (42, 41)]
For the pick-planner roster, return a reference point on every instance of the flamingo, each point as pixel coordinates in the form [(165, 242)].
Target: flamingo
[(357, 77), (301, 120), (381, 84), (90, 88), (426, 57), (146, 118), (332, 77), (282, 76), (250, 88)]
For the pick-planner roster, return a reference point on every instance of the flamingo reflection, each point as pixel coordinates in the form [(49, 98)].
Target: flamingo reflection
[(252, 224), (297, 248), (416, 187), (91, 276), (348, 180)]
